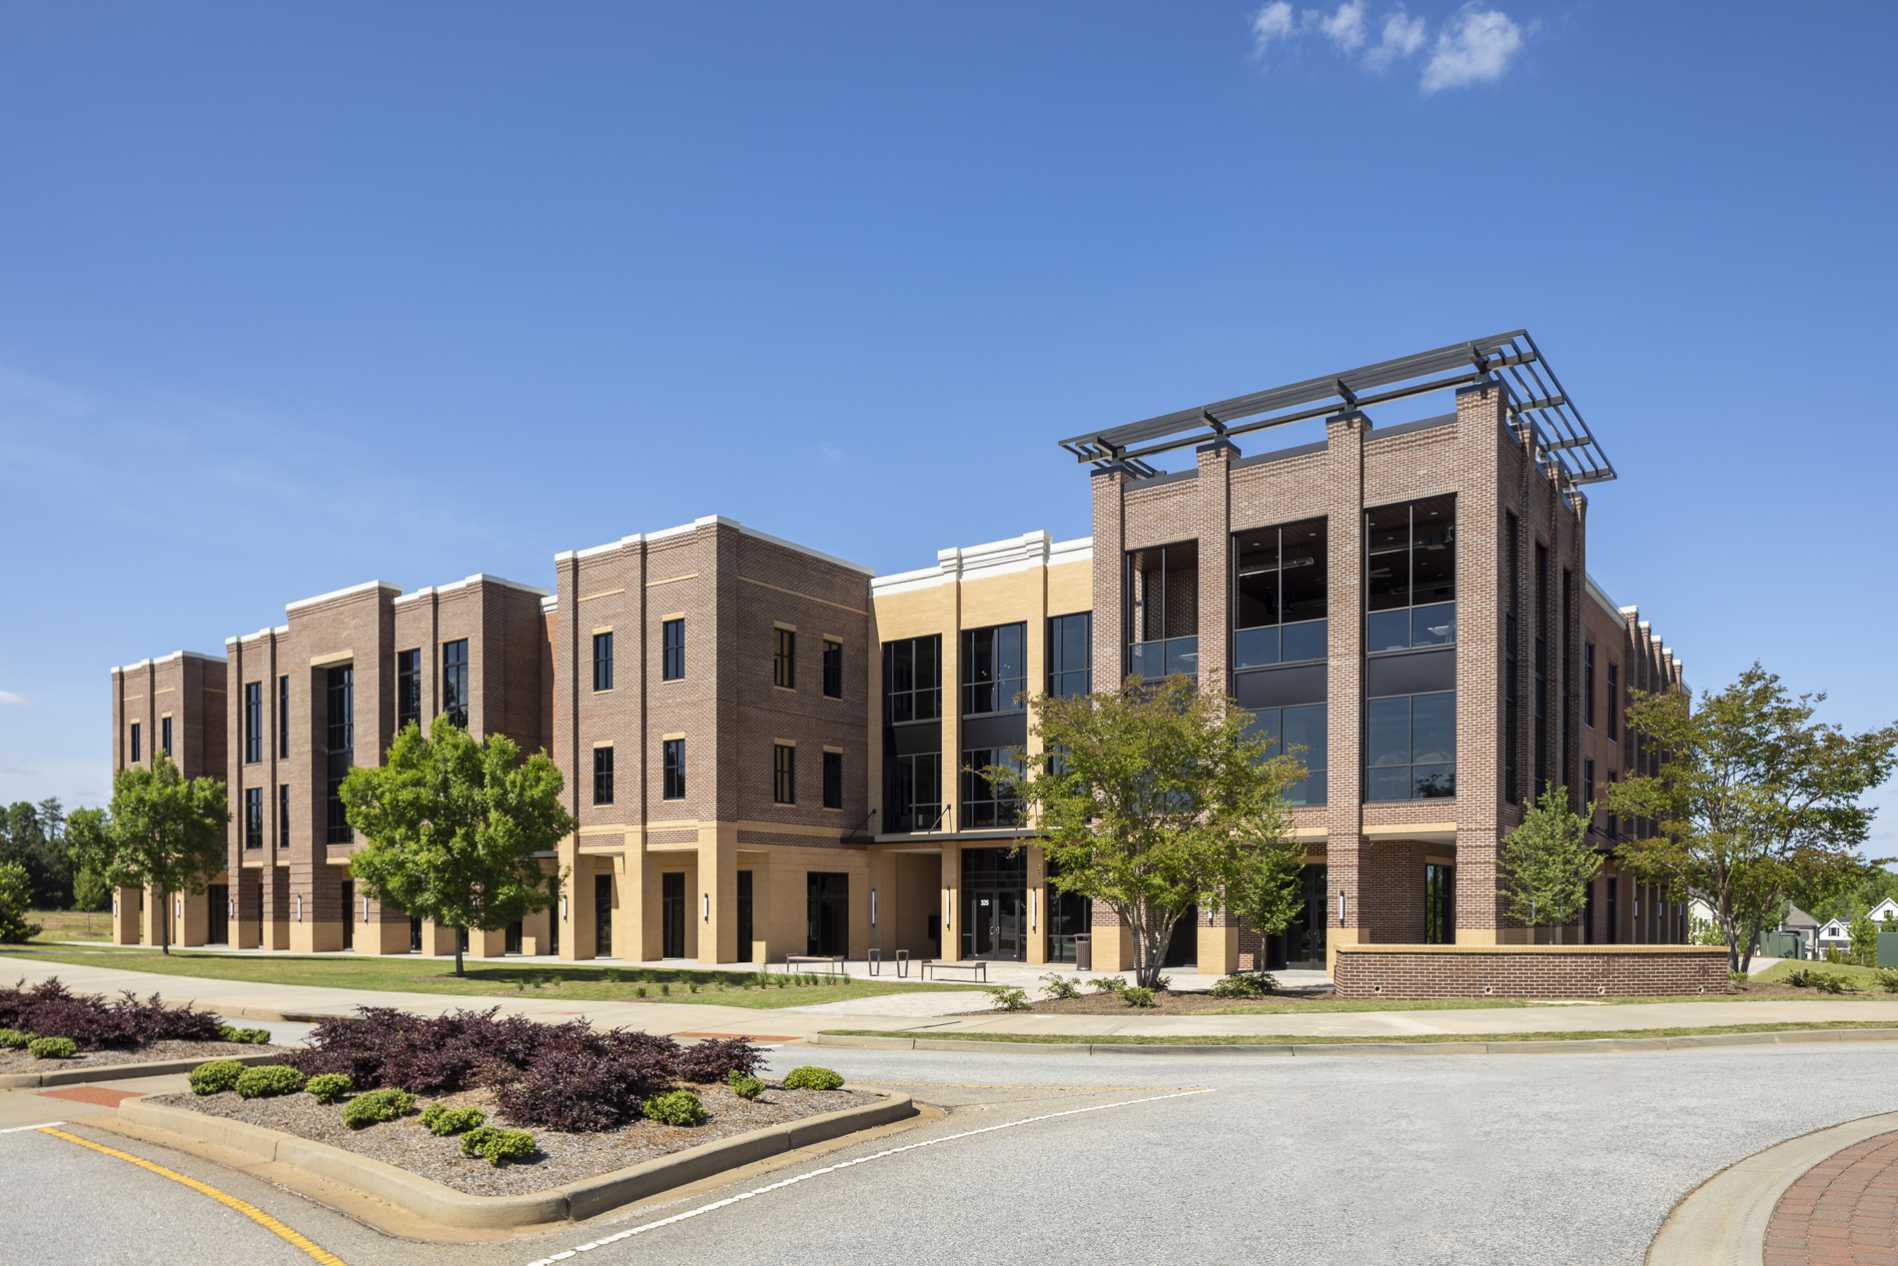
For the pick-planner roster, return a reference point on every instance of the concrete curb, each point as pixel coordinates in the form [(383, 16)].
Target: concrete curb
[(66, 1076), (1475, 1046), (1723, 1221), (423, 1198)]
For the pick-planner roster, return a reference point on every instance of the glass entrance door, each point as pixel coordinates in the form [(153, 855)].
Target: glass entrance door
[(603, 915), (827, 913), (218, 927), (672, 914), (349, 915), (992, 924)]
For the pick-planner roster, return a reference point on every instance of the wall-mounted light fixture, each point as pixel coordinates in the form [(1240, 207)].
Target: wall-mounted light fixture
[(115, 905), (230, 907), (1340, 907), (1031, 909), (873, 907), (178, 904), (296, 907), (563, 907), (705, 906), (365, 909)]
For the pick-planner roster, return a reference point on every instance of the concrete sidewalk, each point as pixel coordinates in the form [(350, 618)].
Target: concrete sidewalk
[(242, 999)]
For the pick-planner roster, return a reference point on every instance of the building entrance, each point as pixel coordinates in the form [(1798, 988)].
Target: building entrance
[(994, 903)]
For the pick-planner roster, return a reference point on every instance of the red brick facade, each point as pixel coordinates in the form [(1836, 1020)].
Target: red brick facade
[(1529, 971)]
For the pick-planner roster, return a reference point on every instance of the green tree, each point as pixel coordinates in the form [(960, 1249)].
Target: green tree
[(1547, 863), (453, 828), (90, 891), (16, 898), (34, 836), (1754, 802), (1864, 941), (162, 830), (1160, 799)]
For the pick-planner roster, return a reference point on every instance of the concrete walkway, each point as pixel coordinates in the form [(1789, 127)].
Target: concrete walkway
[(243, 999)]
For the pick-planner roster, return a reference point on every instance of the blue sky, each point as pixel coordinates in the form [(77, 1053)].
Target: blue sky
[(297, 298)]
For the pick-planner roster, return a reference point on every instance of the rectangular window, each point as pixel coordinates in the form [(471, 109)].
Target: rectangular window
[(1279, 594), (1439, 904), (1160, 611), (833, 668), (672, 769), (983, 802), (994, 669), (1614, 702), (1566, 633), (603, 775), (1512, 661), (134, 742), (408, 688), (1410, 575), (833, 780), (164, 734), (253, 817), (1588, 684), (1410, 747), (283, 815), (912, 679), (340, 744), (1071, 654), (1540, 699), (283, 717), (1614, 823), (1588, 782), (672, 650), (602, 661), (1300, 732), (783, 773), (914, 799), (455, 682), (253, 722), (784, 659)]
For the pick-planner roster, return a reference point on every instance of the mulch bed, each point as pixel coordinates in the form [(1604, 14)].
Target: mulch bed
[(563, 1158), (1182, 1002), (13, 1061)]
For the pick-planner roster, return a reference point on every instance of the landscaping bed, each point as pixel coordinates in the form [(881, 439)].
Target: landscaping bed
[(562, 1157), (47, 1026), (19, 1061)]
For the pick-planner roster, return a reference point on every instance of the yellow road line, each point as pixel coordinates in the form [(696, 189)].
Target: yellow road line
[(244, 1207)]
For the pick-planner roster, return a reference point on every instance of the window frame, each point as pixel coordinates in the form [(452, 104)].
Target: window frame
[(133, 742), (672, 784), (1003, 811), (1410, 606), (339, 682), (456, 662), (283, 716), (1002, 700), (1411, 764), (253, 818), (253, 722), (164, 734), (783, 657), (833, 668), (602, 663), (833, 779), (783, 773), (283, 815), (1269, 652), (913, 695), (1062, 676), (672, 649), (408, 687), (603, 774)]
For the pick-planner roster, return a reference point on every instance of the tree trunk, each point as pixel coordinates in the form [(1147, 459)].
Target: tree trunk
[(164, 925), (459, 933)]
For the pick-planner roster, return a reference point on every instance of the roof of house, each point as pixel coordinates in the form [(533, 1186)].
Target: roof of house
[(1797, 918)]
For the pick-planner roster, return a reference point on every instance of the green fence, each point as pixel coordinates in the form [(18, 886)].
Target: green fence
[(1779, 945), (1888, 949)]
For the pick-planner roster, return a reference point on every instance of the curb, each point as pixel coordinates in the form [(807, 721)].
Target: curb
[(124, 1072), (1723, 1221), (1475, 1046), (423, 1198)]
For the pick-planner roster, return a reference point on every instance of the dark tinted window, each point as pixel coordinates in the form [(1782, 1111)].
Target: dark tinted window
[(602, 661), (253, 817), (833, 669), (1410, 746), (253, 721), (833, 780), (912, 679), (784, 659), (914, 799), (455, 682), (164, 734), (783, 773), (672, 769), (340, 744), (994, 669), (1300, 731), (603, 775), (672, 652), (408, 688), (1410, 575), (1071, 654), (983, 802), (283, 717)]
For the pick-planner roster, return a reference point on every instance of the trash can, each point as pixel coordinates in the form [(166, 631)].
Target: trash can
[(1083, 953)]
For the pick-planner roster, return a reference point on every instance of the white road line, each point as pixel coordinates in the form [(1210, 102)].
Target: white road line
[(795, 1179), (16, 1129)]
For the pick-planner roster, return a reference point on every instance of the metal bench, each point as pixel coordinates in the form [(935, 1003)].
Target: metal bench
[(833, 964), (978, 970)]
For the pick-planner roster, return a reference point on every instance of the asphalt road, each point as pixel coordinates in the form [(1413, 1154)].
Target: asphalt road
[(1365, 1159)]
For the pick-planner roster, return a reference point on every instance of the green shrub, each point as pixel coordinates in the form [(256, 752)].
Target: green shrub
[(1823, 981), (813, 1077), (1245, 984), (14, 1039), (250, 1037), (1008, 998), (1062, 987), (744, 1085), (496, 1145), (1834, 955), (676, 1107), (1137, 996), (329, 1087), (268, 1080), (442, 1120), (1107, 984), (1888, 979), (1161, 984), (52, 1048), (374, 1106), (214, 1076)]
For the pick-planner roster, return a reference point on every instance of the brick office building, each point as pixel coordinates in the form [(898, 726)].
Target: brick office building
[(768, 750)]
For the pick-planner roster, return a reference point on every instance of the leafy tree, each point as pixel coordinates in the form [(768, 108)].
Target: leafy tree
[(453, 828), (1547, 863), (1161, 799), (1755, 803), (16, 897), (163, 830), (1864, 935), (34, 836)]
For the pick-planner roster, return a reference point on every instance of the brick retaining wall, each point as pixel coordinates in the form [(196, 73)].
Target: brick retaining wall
[(1528, 971)]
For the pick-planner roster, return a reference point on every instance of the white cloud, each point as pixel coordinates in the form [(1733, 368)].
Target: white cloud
[(7, 696), (1273, 23), (1476, 47), (1345, 26), (1401, 37)]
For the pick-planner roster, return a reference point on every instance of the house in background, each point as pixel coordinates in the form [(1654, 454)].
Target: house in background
[(1802, 925)]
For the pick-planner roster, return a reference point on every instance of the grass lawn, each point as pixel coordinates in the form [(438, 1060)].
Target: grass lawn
[(484, 977), (1865, 978), (1274, 1040), (72, 925)]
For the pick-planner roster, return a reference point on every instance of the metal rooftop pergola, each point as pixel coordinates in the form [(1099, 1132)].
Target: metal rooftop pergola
[(1512, 360)]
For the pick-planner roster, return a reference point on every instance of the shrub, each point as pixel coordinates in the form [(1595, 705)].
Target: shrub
[(250, 1037), (1107, 984), (1162, 984), (442, 1120), (1008, 998), (1823, 981), (93, 1022), (592, 1087), (744, 1085), (1245, 984), (676, 1107), (214, 1076), (52, 1048), (14, 1039), (716, 1059), (1137, 996), (1062, 987), (1888, 979), (374, 1106), (266, 1081), (16, 897), (328, 1087), (496, 1145), (813, 1077)]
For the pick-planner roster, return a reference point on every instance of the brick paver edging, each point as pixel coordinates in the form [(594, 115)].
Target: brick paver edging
[(1841, 1212)]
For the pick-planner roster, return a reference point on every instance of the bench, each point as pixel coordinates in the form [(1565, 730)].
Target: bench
[(833, 964), (978, 970)]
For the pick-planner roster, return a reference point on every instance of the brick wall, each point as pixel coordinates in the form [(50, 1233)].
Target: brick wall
[(1541, 971)]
